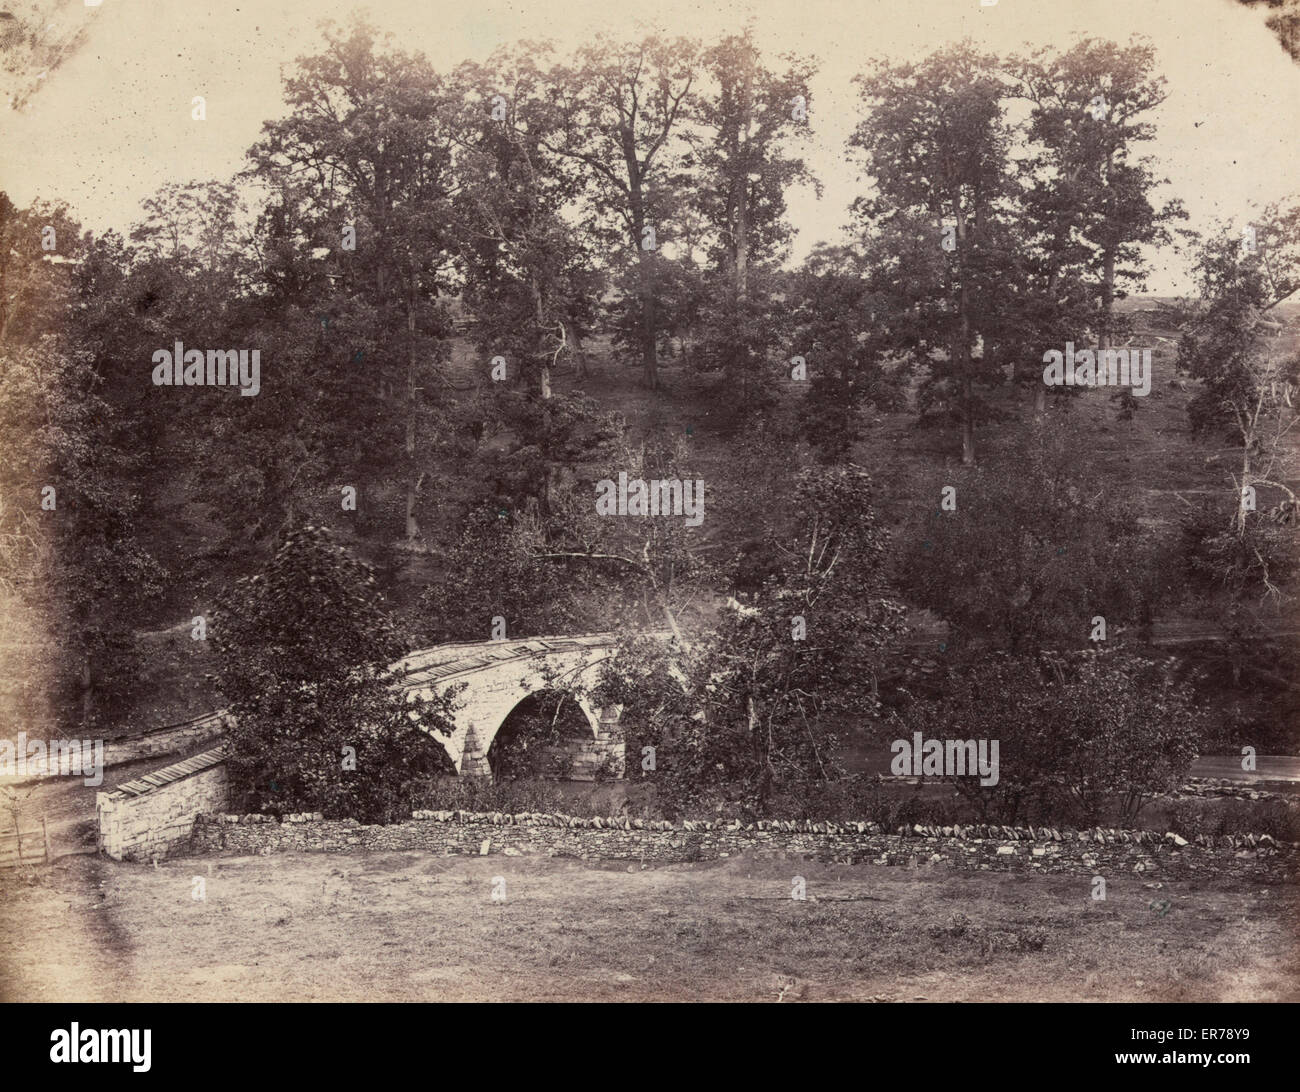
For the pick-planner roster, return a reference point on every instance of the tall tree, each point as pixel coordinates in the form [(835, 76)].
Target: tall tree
[(1088, 201), (619, 111), (71, 559), (528, 276), (748, 116), (1250, 370), (935, 147), (369, 125)]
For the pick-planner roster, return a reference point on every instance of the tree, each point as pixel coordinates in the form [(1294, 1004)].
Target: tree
[(746, 713), (935, 146), (370, 128), (1087, 193), (747, 116), (35, 284), (1030, 555), (649, 568), (494, 569), (1284, 21), (1250, 373), (834, 318), (32, 45), (527, 273), (71, 557), (305, 651), (195, 221), (618, 111)]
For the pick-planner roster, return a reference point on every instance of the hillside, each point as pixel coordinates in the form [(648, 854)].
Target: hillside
[(1153, 459)]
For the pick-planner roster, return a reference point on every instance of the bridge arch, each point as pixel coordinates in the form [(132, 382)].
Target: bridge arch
[(501, 674), (548, 733)]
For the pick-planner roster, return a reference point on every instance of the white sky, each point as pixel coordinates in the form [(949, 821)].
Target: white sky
[(113, 123)]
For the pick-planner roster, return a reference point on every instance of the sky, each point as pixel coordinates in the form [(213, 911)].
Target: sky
[(113, 122)]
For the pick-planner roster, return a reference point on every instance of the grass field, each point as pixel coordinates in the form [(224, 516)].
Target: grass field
[(410, 926)]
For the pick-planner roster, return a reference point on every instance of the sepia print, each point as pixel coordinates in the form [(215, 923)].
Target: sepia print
[(569, 501)]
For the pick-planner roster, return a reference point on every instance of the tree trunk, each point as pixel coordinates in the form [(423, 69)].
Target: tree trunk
[(1040, 388), (1107, 299), (742, 195), (87, 692), (544, 366), (740, 283), (412, 527), (649, 320), (579, 353), (1240, 518), (645, 273), (967, 384)]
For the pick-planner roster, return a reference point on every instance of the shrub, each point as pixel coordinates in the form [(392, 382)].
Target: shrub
[(304, 650), (1076, 734), (1278, 818)]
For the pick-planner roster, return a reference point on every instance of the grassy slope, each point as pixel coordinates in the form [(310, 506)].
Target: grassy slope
[(1152, 458)]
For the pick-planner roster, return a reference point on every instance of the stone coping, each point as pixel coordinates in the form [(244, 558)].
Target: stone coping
[(168, 775)]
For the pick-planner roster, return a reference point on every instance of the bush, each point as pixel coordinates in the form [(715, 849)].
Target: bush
[(305, 650), (1278, 818), (1078, 735)]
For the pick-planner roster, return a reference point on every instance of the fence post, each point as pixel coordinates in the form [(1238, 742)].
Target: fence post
[(46, 835)]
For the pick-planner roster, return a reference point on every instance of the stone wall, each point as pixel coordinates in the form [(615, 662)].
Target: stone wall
[(154, 815), (1257, 790), (584, 758), (167, 740), (1257, 858)]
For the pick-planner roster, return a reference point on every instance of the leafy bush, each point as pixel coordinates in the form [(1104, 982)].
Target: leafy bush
[(743, 720), (1278, 818), (304, 651), (482, 794), (1077, 735)]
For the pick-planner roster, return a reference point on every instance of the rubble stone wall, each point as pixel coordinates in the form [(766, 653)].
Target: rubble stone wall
[(969, 847)]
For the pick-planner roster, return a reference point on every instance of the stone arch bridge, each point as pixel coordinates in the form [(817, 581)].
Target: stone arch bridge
[(501, 674)]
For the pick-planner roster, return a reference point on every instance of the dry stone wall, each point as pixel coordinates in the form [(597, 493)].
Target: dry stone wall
[(167, 740), (982, 848), (178, 810), (154, 815)]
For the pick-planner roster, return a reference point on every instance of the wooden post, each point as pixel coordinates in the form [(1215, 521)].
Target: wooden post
[(46, 834)]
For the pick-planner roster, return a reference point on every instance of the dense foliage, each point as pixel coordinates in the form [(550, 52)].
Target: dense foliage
[(320, 726)]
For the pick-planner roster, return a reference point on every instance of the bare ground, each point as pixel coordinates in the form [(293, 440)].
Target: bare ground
[(412, 927)]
